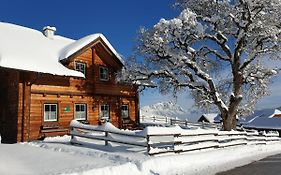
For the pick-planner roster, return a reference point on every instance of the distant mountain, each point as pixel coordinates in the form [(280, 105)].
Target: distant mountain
[(165, 109)]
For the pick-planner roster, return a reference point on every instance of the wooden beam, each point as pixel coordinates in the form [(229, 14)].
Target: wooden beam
[(44, 93)]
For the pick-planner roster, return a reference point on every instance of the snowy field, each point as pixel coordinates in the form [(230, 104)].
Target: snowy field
[(57, 156)]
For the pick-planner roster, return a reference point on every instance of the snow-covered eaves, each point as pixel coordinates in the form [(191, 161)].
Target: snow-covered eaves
[(81, 43), (27, 49)]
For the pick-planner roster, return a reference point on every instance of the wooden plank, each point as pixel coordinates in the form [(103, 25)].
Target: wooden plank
[(106, 139), (111, 132)]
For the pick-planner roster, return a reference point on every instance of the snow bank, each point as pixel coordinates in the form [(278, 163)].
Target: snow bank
[(197, 163), (63, 158)]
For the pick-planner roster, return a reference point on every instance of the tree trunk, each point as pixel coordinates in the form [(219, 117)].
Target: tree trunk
[(234, 122), (228, 121)]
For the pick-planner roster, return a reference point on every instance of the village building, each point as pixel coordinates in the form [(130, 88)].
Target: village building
[(263, 120), (48, 80), (210, 118)]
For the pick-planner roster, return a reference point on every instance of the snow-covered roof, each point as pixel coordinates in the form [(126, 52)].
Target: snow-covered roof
[(212, 117), (264, 113), (28, 49), (265, 123), (79, 44)]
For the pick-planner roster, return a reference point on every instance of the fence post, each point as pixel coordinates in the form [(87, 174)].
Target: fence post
[(166, 119), (154, 119), (185, 122), (72, 137), (71, 129), (106, 135), (148, 145), (176, 143), (142, 118)]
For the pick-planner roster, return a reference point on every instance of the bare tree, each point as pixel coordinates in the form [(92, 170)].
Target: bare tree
[(218, 49)]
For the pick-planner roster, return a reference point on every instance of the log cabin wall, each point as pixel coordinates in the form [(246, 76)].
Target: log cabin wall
[(9, 96), (66, 92), (24, 102)]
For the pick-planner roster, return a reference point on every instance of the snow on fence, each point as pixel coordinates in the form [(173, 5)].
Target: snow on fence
[(107, 133), (164, 120), (158, 140)]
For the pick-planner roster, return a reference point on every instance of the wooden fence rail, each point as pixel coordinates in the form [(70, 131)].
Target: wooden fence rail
[(177, 141), (158, 120), (107, 136)]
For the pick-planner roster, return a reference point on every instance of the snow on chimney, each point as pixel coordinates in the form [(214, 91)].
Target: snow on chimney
[(49, 31)]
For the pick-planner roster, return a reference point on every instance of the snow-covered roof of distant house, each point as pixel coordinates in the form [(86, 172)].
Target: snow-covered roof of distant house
[(28, 49), (265, 123), (264, 113), (212, 117)]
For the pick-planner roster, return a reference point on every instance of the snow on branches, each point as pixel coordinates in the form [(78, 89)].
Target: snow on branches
[(219, 49)]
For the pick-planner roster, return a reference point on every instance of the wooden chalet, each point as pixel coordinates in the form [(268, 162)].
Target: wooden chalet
[(48, 80)]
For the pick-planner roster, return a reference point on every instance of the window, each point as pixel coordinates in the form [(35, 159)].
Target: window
[(125, 111), (81, 67), (104, 112), (80, 111), (104, 74), (50, 112)]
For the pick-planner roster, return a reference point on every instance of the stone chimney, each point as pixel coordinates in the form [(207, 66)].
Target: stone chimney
[(49, 32)]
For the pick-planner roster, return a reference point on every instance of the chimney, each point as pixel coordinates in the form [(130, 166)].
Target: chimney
[(49, 32)]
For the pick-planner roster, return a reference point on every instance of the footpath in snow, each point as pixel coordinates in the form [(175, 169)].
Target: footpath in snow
[(57, 156)]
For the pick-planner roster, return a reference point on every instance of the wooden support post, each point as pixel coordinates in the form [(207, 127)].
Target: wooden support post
[(106, 135), (177, 143), (72, 137), (148, 145), (71, 129)]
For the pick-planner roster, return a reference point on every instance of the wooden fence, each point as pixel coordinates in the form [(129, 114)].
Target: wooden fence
[(100, 133), (164, 120), (175, 140)]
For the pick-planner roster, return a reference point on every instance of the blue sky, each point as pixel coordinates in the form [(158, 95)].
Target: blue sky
[(119, 21)]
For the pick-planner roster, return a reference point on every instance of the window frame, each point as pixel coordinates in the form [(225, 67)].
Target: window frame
[(100, 74), (44, 112), (85, 107), (122, 116), (81, 63), (101, 116)]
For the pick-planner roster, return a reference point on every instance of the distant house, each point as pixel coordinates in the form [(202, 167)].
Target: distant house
[(266, 119), (48, 80), (210, 118)]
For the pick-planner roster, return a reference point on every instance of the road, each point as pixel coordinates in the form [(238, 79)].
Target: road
[(269, 166)]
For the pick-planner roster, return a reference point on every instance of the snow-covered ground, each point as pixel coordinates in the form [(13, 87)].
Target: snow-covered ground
[(57, 156)]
